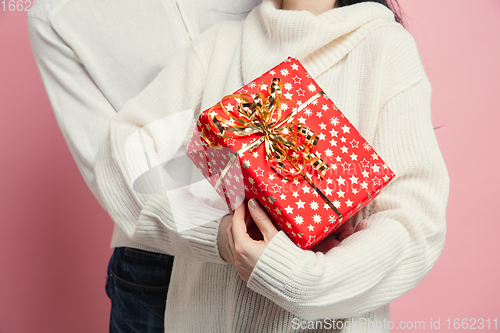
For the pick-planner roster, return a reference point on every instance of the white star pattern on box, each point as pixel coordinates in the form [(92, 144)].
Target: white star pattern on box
[(314, 205), (284, 72), (345, 128), (311, 239), (300, 92), (299, 220), (346, 166), (259, 172), (328, 191), (376, 181), (297, 79), (300, 204), (294, 67), (311, 87)]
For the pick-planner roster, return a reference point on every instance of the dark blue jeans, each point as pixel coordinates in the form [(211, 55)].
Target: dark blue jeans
[(137, 285)]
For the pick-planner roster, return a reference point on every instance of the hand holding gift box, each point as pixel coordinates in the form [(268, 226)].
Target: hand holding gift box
[(300, 157)]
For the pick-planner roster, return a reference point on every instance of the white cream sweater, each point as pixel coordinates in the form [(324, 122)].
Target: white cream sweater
[(370, 67), (94, 55)]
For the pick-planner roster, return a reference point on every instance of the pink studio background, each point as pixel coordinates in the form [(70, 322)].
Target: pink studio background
[(54, 236)]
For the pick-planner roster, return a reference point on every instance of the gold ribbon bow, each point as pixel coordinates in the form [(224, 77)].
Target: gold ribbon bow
[(287, 141)]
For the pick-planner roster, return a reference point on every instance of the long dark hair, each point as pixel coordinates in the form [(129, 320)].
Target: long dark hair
[(391, 4)]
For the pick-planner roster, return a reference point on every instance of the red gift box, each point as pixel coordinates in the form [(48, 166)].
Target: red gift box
[(298, 155)]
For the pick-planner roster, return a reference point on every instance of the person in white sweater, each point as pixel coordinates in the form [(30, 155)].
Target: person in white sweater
[(369, 65), (93, 56)]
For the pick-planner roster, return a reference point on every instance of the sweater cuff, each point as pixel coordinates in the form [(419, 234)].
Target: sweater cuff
[(274, 268), (195, 221), (205, 245)]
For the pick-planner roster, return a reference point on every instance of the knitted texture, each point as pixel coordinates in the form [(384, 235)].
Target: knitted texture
[(370, 67)]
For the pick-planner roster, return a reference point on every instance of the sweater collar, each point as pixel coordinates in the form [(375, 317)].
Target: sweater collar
[(270, 33)]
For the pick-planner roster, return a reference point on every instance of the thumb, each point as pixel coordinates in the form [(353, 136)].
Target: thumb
[(262, 221)]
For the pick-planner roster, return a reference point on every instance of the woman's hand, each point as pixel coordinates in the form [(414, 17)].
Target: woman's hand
[(244, 251), (334, 239)]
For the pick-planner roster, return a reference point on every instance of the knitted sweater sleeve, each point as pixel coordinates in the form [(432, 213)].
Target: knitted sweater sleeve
[(81, 109), (152, 129), (393, 248)]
